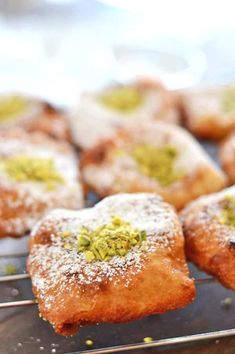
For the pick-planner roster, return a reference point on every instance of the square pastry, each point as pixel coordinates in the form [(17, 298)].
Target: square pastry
[(116, 262), (209, 229), (152, 157), (209, 112), (37, 174), (101, 113)]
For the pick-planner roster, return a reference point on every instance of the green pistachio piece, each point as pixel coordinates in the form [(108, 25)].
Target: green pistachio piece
[(65, 234), (122, 252), (116, 220), (83, 241), (157, 163), (89, 256), (228, 100), (148, 339), (133, 242), (143, 235), (89, 342), (10, 269), (68, 246), (11, 107), (227, 216), (113, 239), (103, 251), (111, 252), (23, 168), (123, 99)]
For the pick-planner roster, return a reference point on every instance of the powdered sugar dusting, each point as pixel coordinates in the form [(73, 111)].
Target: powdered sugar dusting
[(205, 213), (27, 201), (158, 104), (120, 172), (53, 265)]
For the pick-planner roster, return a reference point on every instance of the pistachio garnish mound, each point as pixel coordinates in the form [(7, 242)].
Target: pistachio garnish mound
[(228, 101), (23, 168), (157, 162), (113, 239), (228, 213), (123, 99), (11, 107)]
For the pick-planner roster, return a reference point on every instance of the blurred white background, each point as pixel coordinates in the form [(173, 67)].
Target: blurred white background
[(57, 48)]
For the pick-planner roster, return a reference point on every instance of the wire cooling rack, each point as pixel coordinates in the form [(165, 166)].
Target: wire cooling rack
[(225, 305), (209, 317)]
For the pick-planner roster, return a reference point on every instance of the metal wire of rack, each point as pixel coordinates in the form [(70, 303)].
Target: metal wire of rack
[(161, 342), (126, 347)]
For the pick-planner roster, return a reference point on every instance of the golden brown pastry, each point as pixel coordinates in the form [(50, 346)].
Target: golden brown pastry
[(101, 113), (227, 157), (32, 114), (209, 229), (37, 174), (210, 112), (154, 157), (115, 262)]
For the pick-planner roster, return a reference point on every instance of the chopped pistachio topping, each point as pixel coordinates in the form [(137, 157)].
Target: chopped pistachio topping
[(227, 302), (68, 246), (228, 100), (113, 239), (24, 168), (228, 213), (148, 339), (10, 269), (11, 107), (157, 162), (89, 342), (65, 234), (123, 99)]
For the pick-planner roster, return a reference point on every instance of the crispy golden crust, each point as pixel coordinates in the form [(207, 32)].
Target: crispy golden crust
[(227, 157), (210, 128), (23, 203), (210, 244), (152, 279), (159, 104), (106, 174), (203, 113)]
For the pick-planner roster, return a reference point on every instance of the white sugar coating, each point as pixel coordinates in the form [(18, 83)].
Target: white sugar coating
[(158, 103), (56, 265), (65, 166), (142, 210), (29, 195), (119, 172), (201, 103), (206, 213)]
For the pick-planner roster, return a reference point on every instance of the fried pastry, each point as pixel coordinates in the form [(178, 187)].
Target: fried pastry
[(209, 229), (101, 113), (116, 262), (154, 157), (37, 174), (32, 114), (210, 112), (227, 157)]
